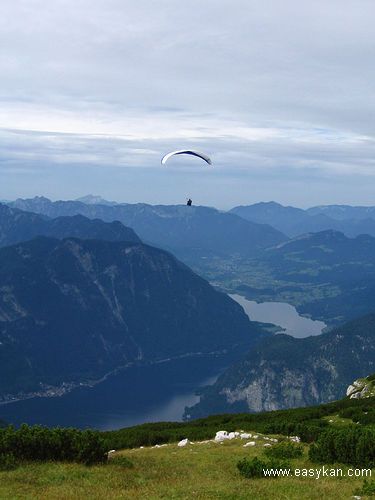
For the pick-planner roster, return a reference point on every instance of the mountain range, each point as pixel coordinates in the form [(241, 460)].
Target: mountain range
[(191, 233), (352, 221), (344, 212), (321, 272), (81, 296)]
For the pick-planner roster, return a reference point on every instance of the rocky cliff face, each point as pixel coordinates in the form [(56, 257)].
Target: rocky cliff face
[(73, 310), (284, 372), (362, 388)]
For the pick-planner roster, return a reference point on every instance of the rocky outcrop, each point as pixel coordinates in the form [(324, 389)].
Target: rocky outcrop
[(362, 388)]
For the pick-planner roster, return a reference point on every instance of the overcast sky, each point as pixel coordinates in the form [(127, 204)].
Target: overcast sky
[(279, 93)]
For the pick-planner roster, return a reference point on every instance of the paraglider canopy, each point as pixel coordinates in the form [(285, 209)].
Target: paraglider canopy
[(203, 156)]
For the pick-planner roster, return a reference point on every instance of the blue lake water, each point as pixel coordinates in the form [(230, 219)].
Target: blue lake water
[(281, 314), (141, 394)]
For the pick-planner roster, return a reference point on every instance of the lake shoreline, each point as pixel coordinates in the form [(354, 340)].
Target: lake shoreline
[(282, 315), (138, 394)]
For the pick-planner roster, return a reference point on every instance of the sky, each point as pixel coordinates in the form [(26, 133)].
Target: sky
[(280, 94)]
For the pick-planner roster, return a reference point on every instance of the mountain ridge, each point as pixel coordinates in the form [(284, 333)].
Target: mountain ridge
[(73, 310), (293, 221), (18, 225), (191, 233)]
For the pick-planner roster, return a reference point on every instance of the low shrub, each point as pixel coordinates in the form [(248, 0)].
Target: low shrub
[(255, 468), (352, 413), (368, 489), (41, 443), (352, 445), (367, 418), (7, 462)]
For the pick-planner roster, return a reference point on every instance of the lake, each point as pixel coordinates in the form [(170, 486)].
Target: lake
[(281, 314), (150, 393)]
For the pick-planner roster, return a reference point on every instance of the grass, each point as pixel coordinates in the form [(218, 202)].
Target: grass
[(337, 420), (202, 471)]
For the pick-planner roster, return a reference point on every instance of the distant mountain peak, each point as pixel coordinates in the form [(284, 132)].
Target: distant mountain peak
[(269, 204), (35, 198), (94, 199)]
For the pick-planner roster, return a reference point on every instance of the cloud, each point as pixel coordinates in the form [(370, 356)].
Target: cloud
[(284, 88)]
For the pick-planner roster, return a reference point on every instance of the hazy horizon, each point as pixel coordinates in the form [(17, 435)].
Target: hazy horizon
[(80, 198)]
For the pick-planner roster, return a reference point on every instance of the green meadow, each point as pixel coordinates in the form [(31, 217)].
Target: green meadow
[(206, 470), (40, 463)]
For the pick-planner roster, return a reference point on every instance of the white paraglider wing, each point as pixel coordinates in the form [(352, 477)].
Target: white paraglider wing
[(203, 156)]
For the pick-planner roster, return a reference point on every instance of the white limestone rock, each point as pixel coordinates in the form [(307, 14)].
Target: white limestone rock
[(183, 443), (250, 443), (245, 435), (295, 439), (221, 436)]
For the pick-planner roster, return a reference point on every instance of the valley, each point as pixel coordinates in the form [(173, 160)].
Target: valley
[(139, 394), (304, 285)]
